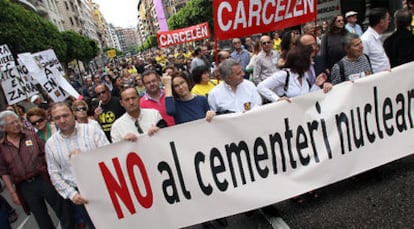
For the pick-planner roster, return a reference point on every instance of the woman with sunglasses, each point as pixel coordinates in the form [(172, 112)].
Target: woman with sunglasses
[(80, 111), (38, 118)]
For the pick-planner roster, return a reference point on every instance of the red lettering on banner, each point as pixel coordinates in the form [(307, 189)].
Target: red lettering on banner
[(246, 17), (118, 189), (185, 35)]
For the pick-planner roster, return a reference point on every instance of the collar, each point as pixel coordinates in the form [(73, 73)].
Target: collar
[(134, 119), (75, 131), (4, 140), (374, 33), (148, 97)]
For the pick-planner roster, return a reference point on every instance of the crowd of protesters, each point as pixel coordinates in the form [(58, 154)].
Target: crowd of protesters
[(139, 95)]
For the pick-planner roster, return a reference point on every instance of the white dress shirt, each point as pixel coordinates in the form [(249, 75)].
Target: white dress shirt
[(375, 51), (126, 124), (223, 98), (272, 88)]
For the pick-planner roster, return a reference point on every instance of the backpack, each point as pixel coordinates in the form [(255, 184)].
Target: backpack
[(342, 68)]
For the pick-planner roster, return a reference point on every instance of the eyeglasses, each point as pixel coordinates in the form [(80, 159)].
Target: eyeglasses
[(81, 109), (138, 127), (266, 42), (34, 123), (100, 93)]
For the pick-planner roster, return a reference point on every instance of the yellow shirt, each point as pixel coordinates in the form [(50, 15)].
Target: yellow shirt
[(132, 70), (203, 90), (276, 44), (412, 25)]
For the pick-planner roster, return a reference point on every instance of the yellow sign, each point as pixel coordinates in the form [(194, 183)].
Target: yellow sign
[(111, 53)]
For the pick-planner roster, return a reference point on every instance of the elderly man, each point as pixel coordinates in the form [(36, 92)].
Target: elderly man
[(72, 138), (266, 60), (241, 55), (318, 66), (135, 121), (351, 25), (23, 163), (234, 94)]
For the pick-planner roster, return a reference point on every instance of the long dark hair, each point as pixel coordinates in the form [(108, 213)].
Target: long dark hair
[(182, 75), (332, 29), (298, 59)]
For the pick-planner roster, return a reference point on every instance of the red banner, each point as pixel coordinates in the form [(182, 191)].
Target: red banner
[(185, 35), (245, 17)]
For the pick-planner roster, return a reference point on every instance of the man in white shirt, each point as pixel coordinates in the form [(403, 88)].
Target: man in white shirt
[(234, 94), (135, 121), (379, 20)]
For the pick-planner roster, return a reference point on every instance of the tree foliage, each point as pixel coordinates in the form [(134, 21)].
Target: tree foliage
[(150, 42), (193, 13), (25, 31)]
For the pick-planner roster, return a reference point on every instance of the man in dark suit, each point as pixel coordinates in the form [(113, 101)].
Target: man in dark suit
[(400, 45), (318, 66)]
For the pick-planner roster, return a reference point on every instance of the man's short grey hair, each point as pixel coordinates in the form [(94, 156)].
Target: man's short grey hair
[(3, 116), (225, 68), (348, 38)]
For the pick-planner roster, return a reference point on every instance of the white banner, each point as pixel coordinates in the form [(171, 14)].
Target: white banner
[(198, 171)]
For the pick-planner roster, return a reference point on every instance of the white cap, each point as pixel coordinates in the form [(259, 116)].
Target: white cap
[(33, 99), (350, 13)]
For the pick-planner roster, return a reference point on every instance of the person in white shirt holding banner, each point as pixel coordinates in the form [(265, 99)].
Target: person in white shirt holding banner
[(234, 94), (72, 138)]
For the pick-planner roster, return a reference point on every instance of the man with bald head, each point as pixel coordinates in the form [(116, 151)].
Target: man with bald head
[(318, 66), (266, 60)]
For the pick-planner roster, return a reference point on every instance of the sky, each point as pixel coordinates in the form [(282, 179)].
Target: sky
[(122, 13)]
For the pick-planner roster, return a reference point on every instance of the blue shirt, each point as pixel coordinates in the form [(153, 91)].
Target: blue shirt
[(187, 111), (354, 29), (242, 57)]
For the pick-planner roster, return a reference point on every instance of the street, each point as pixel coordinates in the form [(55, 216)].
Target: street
[(380, 198)]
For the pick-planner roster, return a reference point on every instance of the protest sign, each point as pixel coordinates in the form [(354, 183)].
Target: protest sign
[(245, 17), (46, 69), (199, 171), (185, 35), (15, 86)]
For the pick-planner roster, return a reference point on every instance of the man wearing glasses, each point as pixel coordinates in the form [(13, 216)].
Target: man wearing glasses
[(72, 138), (135, 121), (24, 172), (241, 55), (108, 109), (266, 60)]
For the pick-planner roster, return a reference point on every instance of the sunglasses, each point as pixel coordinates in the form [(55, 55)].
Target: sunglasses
[(100, 93), (34, 123), (266, 42), (138, 127), (81, 109)]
